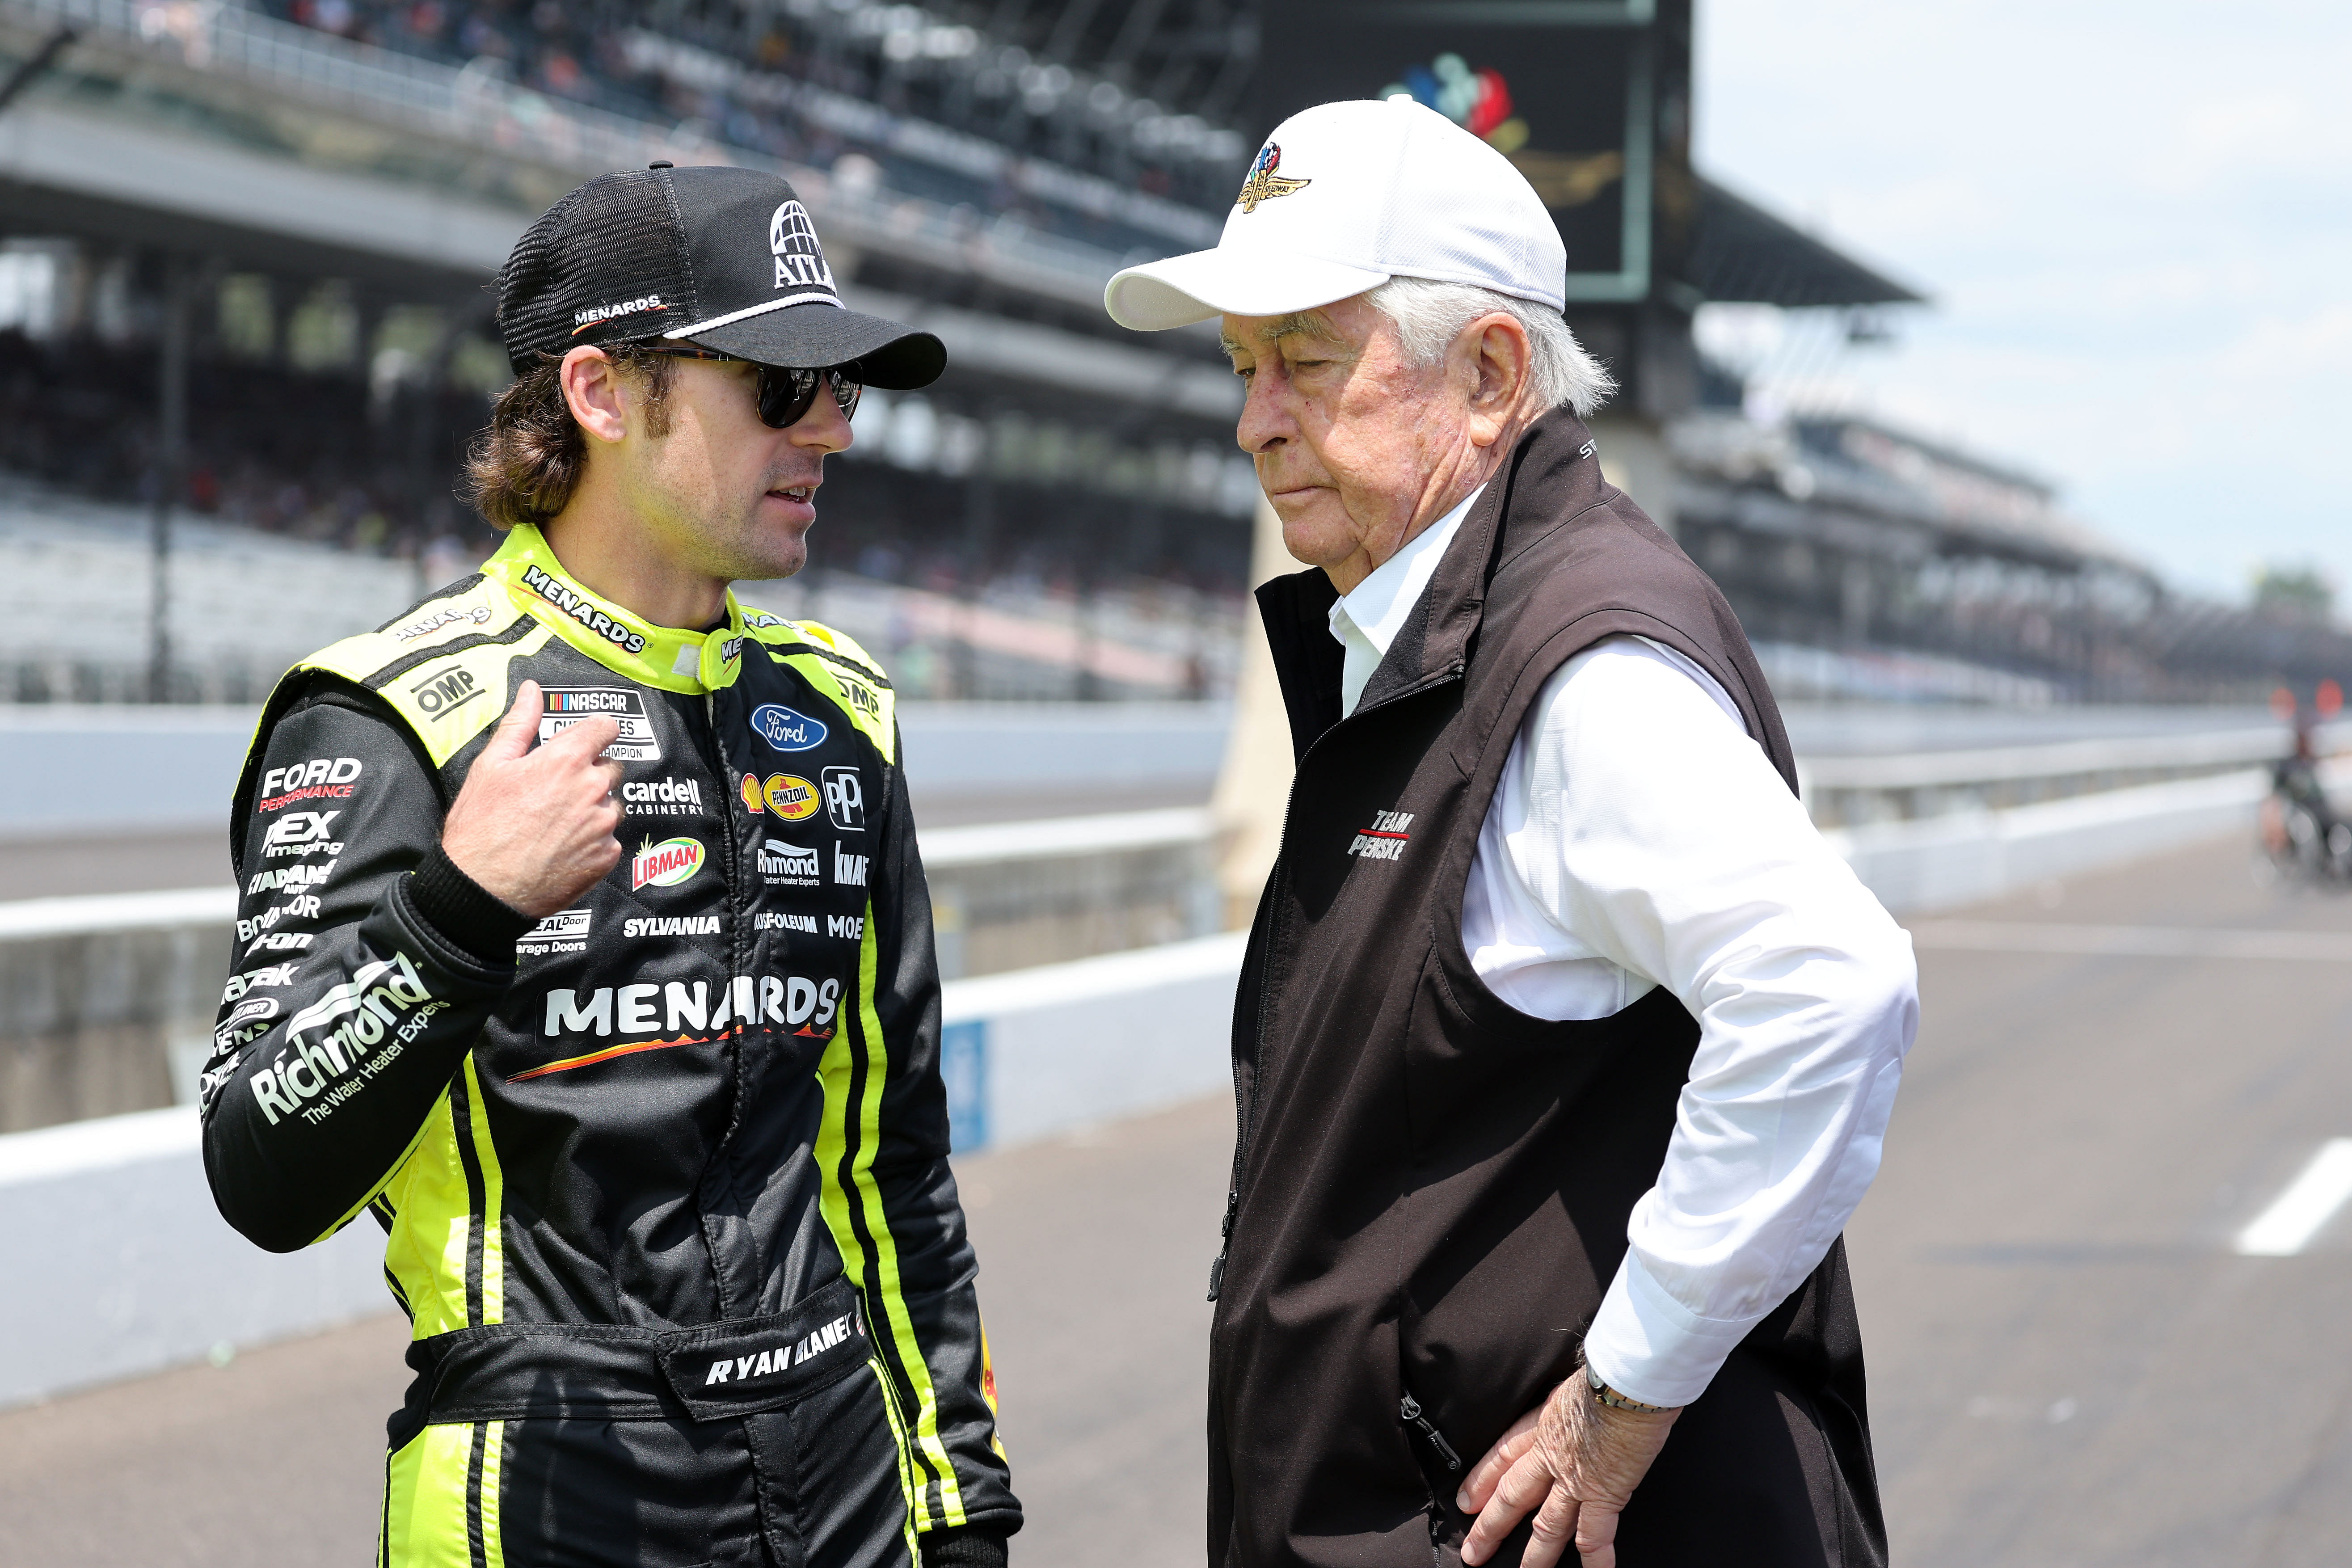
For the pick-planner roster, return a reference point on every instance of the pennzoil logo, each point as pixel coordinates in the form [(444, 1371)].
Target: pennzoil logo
[(789, 796), (1264, 184)]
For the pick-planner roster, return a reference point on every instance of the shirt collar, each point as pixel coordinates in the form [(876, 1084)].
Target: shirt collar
[(1380, 604)]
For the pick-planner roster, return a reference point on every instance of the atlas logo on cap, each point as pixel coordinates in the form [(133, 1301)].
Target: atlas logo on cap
[(1264, 184), (800, 262)]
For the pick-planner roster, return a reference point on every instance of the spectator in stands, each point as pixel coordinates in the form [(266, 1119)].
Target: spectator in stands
[(1553, 960)]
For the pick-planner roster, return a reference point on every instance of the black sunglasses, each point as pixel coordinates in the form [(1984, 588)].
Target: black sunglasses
[(785, 395)]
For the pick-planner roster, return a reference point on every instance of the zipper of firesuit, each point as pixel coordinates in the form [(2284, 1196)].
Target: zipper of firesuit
[(1409, 1412), (1245, 1113)]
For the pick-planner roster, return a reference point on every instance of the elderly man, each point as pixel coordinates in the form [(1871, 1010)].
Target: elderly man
[(1565, 1047)]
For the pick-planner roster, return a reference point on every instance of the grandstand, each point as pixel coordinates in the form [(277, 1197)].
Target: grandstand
[(299, 202)]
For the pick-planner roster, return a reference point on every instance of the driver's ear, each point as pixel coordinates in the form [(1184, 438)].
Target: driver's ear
[(591, 390)]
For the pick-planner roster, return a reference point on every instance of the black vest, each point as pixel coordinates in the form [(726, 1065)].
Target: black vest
[(1432, 1188)]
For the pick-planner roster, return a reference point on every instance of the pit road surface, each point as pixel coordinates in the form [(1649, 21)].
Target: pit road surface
[(2069, 1364)]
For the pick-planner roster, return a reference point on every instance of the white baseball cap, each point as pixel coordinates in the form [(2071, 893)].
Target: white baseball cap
[(1345, 196)]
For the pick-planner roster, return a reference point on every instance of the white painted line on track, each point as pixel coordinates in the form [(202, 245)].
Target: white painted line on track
[(2310, 1201), (2133, 942)]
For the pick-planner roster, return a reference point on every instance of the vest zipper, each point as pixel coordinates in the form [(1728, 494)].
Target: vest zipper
[(1409, 1412)]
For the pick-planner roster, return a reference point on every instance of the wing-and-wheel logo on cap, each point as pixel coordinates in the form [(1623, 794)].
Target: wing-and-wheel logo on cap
[(800, 260), (1264, 184)]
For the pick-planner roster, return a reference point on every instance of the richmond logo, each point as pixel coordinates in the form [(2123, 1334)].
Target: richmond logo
[(800, 260)]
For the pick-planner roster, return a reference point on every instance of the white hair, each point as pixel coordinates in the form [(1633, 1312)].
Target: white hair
[(1429, 315)]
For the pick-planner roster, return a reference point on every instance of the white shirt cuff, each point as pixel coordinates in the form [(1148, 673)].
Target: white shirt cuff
[(1649, 1347)]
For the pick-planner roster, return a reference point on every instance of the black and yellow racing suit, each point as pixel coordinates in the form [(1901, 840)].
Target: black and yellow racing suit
[(663, 1176)]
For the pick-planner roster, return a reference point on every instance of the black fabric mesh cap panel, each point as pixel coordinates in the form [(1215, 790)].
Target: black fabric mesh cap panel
[(606, 263)]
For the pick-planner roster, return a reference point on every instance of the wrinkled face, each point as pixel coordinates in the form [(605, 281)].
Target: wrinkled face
[(1351, 439), (723, 493)]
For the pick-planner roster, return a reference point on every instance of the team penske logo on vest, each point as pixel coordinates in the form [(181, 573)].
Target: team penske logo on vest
[(743, 1369), (577, 606), (1385, 838), (361, 1026)]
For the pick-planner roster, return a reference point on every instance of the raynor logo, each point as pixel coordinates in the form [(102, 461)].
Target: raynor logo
[(744, 1368), (1385, 838), (784, 865)]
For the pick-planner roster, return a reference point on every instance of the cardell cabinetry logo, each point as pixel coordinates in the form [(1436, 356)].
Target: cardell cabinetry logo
[(786, 730), (665, 865)]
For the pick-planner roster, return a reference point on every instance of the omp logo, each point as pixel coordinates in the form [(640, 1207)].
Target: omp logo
[(580, 608), (425, 626), (281, 941), (672, 925), (769, 920), (786, 731), (800, 260), (238, 984), (851, 928), (302, 832), (303, 906), (443, 692), (563, 707), (320, 778), (844, 798), (288, 879), (381, 1008), (744, 1368), (848, 870), (1385, 838), (675, 1006), (861, 696), (665, 865), (641, 304)]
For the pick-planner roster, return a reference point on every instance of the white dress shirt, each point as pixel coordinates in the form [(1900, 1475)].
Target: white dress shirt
[(1639, 837)]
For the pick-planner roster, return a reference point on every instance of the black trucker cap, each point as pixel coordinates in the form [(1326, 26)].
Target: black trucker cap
[(723, 259)]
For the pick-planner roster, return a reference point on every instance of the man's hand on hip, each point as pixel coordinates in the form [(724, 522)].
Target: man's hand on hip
[(534, 828), (1575, 1462)]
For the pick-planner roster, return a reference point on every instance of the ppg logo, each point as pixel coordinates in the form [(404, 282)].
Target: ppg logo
[(786, 730), (844, 798)]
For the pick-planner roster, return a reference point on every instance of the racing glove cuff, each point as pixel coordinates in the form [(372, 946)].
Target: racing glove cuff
[(965, 1548), (464, 913)]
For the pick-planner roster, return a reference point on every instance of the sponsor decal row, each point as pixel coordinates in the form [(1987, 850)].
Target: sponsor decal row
[(794, 799)]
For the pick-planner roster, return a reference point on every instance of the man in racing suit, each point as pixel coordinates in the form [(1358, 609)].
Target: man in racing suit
[(584, 944)]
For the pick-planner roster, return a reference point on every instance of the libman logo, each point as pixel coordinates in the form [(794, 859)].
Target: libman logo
[(346, 1037), (666, 864)]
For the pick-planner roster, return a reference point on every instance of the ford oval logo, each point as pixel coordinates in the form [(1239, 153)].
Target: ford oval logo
[(786, 730)]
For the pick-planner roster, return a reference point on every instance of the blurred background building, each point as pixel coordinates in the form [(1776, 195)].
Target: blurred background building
[(244, 315)]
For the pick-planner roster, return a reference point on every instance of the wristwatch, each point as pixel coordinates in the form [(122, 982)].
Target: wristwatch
[(1616, 1401)]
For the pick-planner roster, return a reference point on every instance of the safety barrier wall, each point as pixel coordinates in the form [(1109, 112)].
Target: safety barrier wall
[(137, 1271)]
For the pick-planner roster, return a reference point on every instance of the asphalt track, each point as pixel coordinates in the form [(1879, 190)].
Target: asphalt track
[(2070, 1365)]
